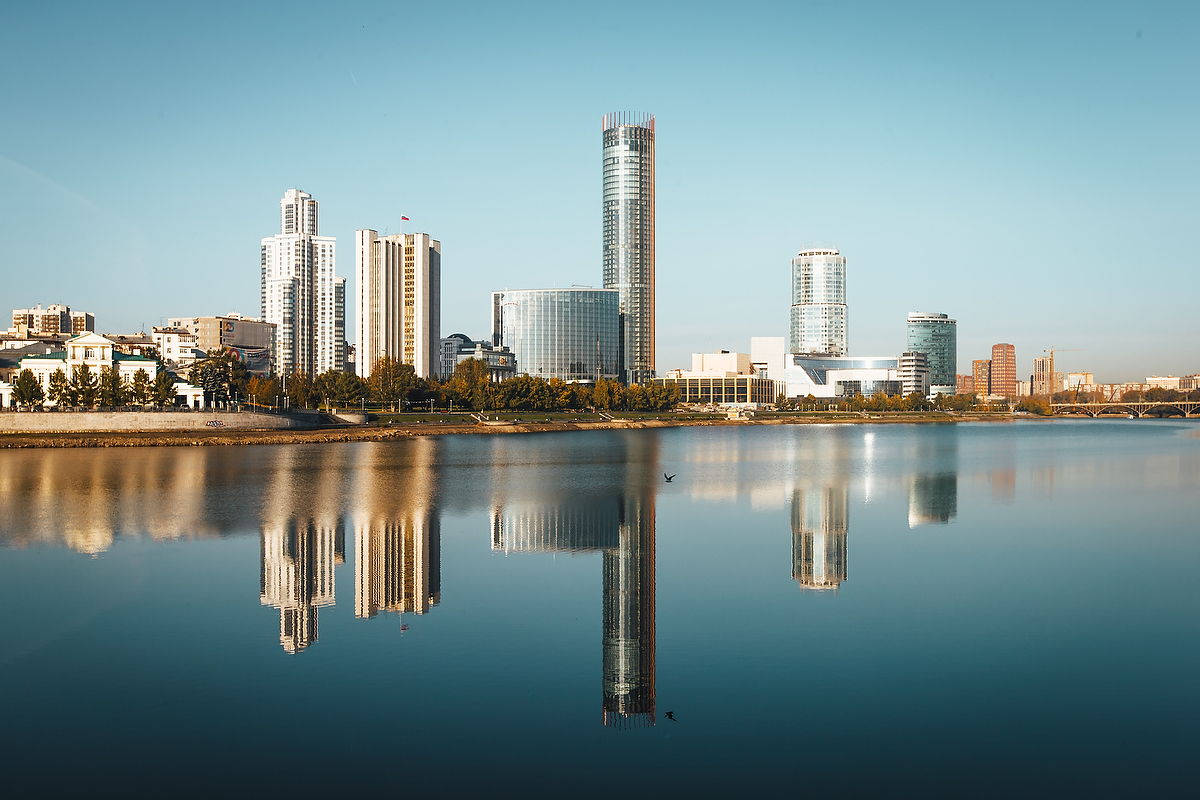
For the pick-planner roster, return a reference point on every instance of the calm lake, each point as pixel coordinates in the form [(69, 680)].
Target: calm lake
[(973, 609)]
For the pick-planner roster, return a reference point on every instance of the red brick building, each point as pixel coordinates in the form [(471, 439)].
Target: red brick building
[(1003, 373)]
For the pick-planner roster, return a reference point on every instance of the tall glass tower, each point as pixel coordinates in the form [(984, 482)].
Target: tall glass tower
[(629, 236), (937, 336), (818, 323)]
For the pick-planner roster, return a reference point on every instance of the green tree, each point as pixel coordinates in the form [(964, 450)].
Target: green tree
[(139, 387), (1032, 405), (162, 391), (302, 390), (390, 381), (112, 391), (61, 392), (85, 386), (471, 385), (27, 391), (341, 389)]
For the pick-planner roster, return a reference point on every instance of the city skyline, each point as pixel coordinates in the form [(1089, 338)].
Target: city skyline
[(990, 137)]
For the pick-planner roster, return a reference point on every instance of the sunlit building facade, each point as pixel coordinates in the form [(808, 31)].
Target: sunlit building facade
[(820, 522), (569, 334), (628, 243), (819, 319), (936, 335), (1002, 372)]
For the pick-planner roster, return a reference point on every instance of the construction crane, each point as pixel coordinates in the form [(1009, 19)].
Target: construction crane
[(1052, 351)]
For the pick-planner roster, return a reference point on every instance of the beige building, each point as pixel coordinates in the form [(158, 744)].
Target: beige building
[(177, 347), (251, 337), (722, 378), (93, 350), (51, 320)]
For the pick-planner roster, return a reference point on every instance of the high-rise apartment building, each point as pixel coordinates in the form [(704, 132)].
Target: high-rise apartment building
[(1004, 370), (937, 336), (629, 236), (981, 371), (379, 299), (914, 373), (1043, 383), (819, 320), (300, 291), (52, 320)]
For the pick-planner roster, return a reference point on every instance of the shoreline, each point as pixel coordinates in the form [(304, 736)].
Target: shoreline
[(390, 432)]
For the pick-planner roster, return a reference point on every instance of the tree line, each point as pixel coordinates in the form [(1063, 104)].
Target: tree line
[(89, 389)]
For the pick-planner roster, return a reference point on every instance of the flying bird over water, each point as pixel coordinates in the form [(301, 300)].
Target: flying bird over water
[(669, 478), (671, 716)]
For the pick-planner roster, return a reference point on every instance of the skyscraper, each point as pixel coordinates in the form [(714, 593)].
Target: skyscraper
[(629, 236), (300, 291), (1004, 370), (399, 300), (981, 372), (819, 323), (937, 336)]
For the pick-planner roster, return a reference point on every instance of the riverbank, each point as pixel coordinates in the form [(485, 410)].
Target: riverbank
[(389, 431)]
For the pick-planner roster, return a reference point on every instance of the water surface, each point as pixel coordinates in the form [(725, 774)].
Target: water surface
[(979, 609)]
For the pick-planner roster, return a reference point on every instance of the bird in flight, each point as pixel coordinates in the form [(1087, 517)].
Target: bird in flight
[(671, 716), (669, 478)]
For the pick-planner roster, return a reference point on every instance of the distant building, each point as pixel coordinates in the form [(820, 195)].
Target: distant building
[(569, 334), (500, 361), (937, 336), (133, 344), (398, 300), (914, 374), (54, 319), (251, 339), (1159, 382), (1043, 382), (1003, 371), (177, 347), (1023, 388), (768, 356), (828, 377), (964, 384), (981, 370), (301, 293), (721, 378), (1189, 383), (1082, 381), (819, 323), (628, 239)]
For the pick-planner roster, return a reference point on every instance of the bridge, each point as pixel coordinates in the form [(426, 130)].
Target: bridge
[(1161, 408)]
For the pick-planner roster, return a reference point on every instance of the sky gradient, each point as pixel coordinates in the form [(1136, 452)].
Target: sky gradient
[(1029, 170)]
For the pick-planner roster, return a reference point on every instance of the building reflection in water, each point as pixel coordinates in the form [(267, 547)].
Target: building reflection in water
[(397, 531), (620, 526), (933, 491), (302, 539), (820, 522)]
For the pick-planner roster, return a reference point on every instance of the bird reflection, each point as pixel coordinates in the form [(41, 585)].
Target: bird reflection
[(618, 522)]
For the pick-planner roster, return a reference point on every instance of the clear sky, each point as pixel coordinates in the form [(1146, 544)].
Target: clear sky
[(1028, 168)]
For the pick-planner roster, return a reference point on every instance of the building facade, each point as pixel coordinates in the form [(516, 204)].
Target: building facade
[(54, 319), (176, 346), (819, 323), (1003, 371), (914, 374), (378, 300), (965, 384), (92, 350), (981, 370), (301, 294), (628, 243), (1043, 383), (250, 339), (569, 334), (936, 335), (828, 377)]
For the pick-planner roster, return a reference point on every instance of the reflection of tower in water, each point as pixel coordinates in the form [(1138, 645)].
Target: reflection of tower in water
[(629, 612), (297, 576), (398, 564), (820, 522), (933, 492)]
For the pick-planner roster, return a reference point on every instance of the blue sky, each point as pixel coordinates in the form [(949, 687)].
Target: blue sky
[(1029, 169)]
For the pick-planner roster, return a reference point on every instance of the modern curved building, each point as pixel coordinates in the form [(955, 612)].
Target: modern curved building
[(819, 318), (629, 236), (937, 336), (569, 334)]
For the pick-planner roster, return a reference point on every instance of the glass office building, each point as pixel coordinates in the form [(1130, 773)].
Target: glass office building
[(936, 335), (629, 236), (569, 334), (818, 323)]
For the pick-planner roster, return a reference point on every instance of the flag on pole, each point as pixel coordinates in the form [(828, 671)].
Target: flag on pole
[(405, 219)]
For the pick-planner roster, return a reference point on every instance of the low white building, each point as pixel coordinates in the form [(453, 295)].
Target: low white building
[(91, 349), (177, 346)]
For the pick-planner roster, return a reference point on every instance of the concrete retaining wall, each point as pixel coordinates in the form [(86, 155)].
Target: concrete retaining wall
[(75, 421)]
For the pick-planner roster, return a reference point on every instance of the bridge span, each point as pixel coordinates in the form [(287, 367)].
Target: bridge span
[(1161, 408)]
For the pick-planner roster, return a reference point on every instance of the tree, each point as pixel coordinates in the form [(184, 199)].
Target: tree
[(263, 391), (782, 403), (139, 387), (27, 391), (61, 392), (162, 391), (1032, 405), (85, 386), (390, 381), (302, 391), (471, 384), (112, 391)]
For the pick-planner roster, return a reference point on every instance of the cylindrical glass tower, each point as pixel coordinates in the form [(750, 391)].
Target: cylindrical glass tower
[(819, 323), (937, 336), (629, 236), (569, 334)]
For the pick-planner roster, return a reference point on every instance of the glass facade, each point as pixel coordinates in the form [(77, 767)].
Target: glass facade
[(936, 335), (629, 236), (819, 319), (569, 334)]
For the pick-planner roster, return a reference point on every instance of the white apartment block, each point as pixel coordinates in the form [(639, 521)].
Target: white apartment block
[(399, 300), (300, 291)]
